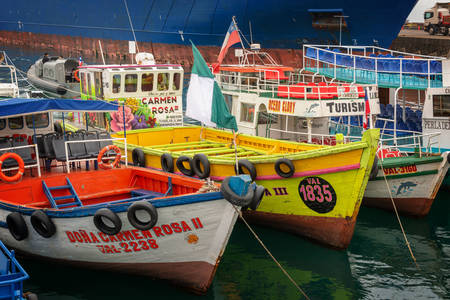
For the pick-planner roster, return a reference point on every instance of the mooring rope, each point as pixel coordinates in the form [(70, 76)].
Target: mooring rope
[(270, 254), (398, 217)]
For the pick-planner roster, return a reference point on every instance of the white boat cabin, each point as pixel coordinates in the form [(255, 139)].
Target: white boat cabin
[(152, 94), (275, 102), (436, 115)]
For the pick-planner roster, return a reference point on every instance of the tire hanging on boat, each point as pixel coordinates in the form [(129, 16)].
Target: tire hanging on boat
[(198, 161), (244, 163), (167, 163), (42, 224), (286, 162), (106, 213), (142, 206), (374, 171), (182, 168), (232, 197), (257, 197), (138, 157), (17, 226)]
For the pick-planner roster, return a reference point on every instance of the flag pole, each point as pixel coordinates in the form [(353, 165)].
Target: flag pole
[(235, 24)]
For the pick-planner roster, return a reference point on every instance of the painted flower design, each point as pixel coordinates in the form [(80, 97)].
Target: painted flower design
[(140, 122), (119, 122)]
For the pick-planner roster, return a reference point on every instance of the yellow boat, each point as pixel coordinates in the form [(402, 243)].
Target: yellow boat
[(310, 190)]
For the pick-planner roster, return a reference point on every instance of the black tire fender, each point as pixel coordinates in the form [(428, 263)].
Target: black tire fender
[(182, 168), (232, 197), (148, 208), (42, 224), (138, 157), (167, 163), (244, 163), (17, 226), (198, 161), (374, 171), (288, 163), (258, 195), (106, 213)]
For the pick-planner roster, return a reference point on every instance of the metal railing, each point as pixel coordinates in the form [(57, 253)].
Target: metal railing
[(36, 151)]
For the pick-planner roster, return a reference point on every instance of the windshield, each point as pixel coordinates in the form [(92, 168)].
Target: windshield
[(428, 15)]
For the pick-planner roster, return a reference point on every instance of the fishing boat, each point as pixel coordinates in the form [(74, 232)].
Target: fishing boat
[(111, 216), (310, 190), (57, 77)]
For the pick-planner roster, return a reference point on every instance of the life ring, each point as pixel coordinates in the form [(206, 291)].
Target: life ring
[(258, 195), (142, 206), (17, 226), (167, 163), (286, 162), (198, 161), (374, 171), (106, 213), (102, 153), (75, 75), (19, 173), (138, 157), (232, 197), (182, 168), (42, 224), (244, 163)]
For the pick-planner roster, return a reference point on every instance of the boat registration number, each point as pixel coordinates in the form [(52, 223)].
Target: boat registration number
[(400, 170)]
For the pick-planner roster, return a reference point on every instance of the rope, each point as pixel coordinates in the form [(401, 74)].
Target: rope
[(131, 24), (398, 217), (270, 254)]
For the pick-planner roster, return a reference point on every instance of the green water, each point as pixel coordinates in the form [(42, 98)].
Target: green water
[(377, 265)]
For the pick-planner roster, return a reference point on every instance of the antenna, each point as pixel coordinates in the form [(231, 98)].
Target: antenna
[(131, 24)]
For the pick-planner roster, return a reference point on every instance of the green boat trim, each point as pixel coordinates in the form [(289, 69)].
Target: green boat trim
[(422, 173), (393, 162)]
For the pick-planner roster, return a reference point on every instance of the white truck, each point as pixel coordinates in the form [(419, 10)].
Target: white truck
[(437, 19)]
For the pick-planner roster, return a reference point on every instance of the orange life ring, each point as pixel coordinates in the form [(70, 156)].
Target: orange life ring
[(19, 160), (75, 75), (103, 151)]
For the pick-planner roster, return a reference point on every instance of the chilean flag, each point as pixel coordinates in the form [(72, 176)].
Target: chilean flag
[(231, 38), (366, 110)]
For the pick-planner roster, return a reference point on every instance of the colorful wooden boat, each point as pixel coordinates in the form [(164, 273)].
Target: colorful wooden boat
[(124, 219), (317, 195)]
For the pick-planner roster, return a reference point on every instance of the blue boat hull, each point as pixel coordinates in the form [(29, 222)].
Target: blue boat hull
[(275, 24)]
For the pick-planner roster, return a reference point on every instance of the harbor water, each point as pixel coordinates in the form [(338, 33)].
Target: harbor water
[(376, 265)]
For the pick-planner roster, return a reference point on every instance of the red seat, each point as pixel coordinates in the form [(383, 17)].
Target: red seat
[(282, 91)]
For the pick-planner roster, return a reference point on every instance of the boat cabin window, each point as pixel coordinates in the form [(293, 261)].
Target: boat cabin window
[(83, 83), (40, 120), (441, 105), (15, 123), (2, 124), (228, 101), (116, 83), (98, 85), (163, 81), (176, 81), (130, 83), (147, 82), (247, 112)]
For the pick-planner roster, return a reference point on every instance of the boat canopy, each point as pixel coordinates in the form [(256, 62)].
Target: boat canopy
[(22, 106)]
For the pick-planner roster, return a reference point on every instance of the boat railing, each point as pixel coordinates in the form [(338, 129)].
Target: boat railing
[(27, 166), (73, 160), (413, 143), (315, 138), (411, 71), (15, 274)]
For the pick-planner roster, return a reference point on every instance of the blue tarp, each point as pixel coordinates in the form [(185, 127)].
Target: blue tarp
[(23, 106)]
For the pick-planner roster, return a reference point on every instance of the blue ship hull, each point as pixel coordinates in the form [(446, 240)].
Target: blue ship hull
[(275, 24)]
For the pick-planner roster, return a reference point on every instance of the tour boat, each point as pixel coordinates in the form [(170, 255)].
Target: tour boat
[(115, 217)]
